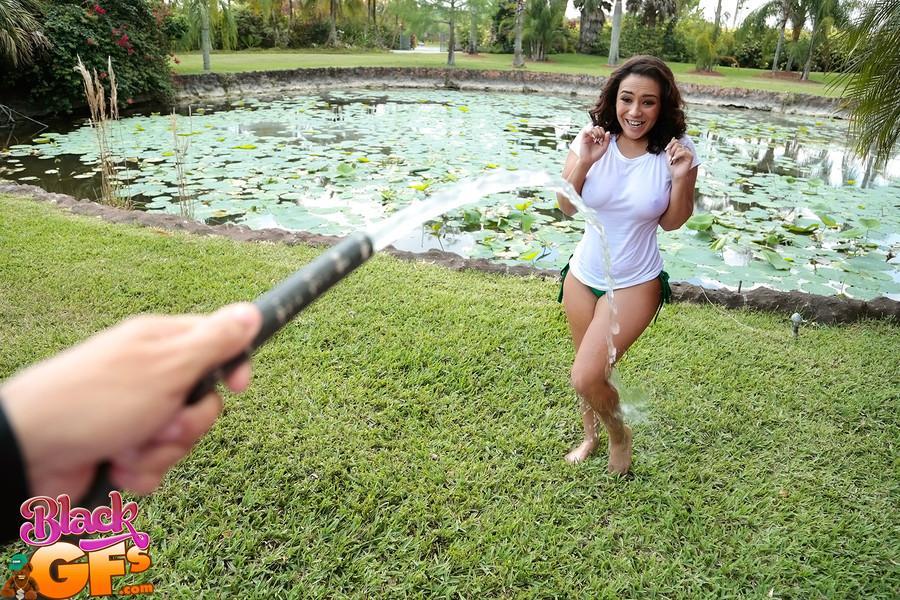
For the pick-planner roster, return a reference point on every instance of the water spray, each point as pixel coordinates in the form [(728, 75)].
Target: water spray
[(287, 299)]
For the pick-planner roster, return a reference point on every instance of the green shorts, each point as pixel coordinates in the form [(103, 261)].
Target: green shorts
[(665, 295)]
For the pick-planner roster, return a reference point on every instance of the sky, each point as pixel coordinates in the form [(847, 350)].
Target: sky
[(709, 9)]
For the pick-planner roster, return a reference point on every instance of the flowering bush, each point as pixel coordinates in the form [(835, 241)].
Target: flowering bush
[(128, 31)]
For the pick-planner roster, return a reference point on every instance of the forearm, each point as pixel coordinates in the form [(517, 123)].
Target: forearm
[(681, 204), (16, 488), (575, 175)]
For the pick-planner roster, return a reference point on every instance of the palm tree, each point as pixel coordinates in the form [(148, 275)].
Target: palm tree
[(718, 24), (477, 9), (616, 32), (824, 13), (871, 85), (780, 8), (20, 31), (199, 15), (592, 20), (652, 11), (543, 25), (518, 59)]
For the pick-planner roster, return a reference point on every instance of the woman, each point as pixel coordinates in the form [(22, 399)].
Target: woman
[(635, 167)]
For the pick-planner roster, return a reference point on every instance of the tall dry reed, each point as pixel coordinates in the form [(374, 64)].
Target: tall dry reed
[(101, 117), (186, 201)]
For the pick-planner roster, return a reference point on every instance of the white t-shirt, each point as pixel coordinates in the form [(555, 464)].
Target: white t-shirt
[(629, 195)]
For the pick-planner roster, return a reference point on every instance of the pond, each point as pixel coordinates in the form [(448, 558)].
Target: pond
[(780, 201)]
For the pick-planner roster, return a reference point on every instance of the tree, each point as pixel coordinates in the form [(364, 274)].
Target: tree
[(592, 20), (518, 59), (20, 31), (447, 12), (823, 13), (717, 27), (543, 25), (798, 18), (783, 9), (616, 32), (737, 9), (871, 84), (199, 17), (652, 11), (477, 9)]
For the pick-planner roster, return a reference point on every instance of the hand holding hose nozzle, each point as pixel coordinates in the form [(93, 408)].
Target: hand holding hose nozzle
[(278, 307)]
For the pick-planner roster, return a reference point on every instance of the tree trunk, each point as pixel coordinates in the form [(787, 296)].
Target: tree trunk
[(332, 19), (718, 25), (473, 31), (518, 59), (592, 20), (795, 35), (290, 10), (810, 52), (451, 46), (616, 31), (737, 9), (780, 44), (204, 38)]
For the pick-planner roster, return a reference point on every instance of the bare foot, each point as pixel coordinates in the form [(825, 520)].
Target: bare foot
[(581, 452), (620, 454)]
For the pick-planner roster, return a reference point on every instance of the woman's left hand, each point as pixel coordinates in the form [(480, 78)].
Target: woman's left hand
[(680, 159)]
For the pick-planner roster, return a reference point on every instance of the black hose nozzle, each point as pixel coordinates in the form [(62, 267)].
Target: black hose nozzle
[(278, 306)]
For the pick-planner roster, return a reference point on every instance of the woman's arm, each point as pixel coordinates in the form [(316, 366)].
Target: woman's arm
[(592, 146), (574, 172), (681, 202), (684, 178)]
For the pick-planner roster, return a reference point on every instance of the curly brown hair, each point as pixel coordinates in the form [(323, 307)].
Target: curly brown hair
[(671, 115)]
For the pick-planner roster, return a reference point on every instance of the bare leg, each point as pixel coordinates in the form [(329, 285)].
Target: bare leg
[(580, 302), (590, 372)]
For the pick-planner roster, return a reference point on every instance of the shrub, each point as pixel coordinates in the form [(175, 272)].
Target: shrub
[(250, 29), (706, 53), (308, 33), (750, 55), (124, 30), (727, 61)]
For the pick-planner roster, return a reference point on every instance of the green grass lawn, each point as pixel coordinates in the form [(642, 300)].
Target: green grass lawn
[(235, 62), (404, 436)]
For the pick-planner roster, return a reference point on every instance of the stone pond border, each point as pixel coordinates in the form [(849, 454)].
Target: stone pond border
[(824, 310), (193, 89)]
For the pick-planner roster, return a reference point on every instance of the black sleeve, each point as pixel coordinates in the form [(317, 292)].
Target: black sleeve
[(15, 490)]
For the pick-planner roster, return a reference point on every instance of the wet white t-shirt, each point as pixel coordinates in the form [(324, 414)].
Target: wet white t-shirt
[(629, 195)]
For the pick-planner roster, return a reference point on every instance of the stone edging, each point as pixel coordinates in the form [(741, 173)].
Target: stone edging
[(232, 86), (815, 308)]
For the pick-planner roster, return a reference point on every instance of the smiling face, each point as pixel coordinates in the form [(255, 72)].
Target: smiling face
[(637, 106)]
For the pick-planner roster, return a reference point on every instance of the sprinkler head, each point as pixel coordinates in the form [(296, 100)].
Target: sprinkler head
[(796, 320)]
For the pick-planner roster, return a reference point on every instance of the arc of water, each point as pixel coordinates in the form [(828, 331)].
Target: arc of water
[(391, 229), (287, 299)]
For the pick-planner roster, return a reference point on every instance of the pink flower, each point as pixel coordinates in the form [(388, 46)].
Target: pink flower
[(99, 9)]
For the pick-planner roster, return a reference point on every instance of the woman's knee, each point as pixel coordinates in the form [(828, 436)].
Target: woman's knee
[(590, 382)]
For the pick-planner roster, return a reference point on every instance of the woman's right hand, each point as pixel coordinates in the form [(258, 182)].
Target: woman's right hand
[(594, 143)]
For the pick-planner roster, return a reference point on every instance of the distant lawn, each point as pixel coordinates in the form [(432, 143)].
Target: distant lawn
[(235, 62), (404, 437)]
